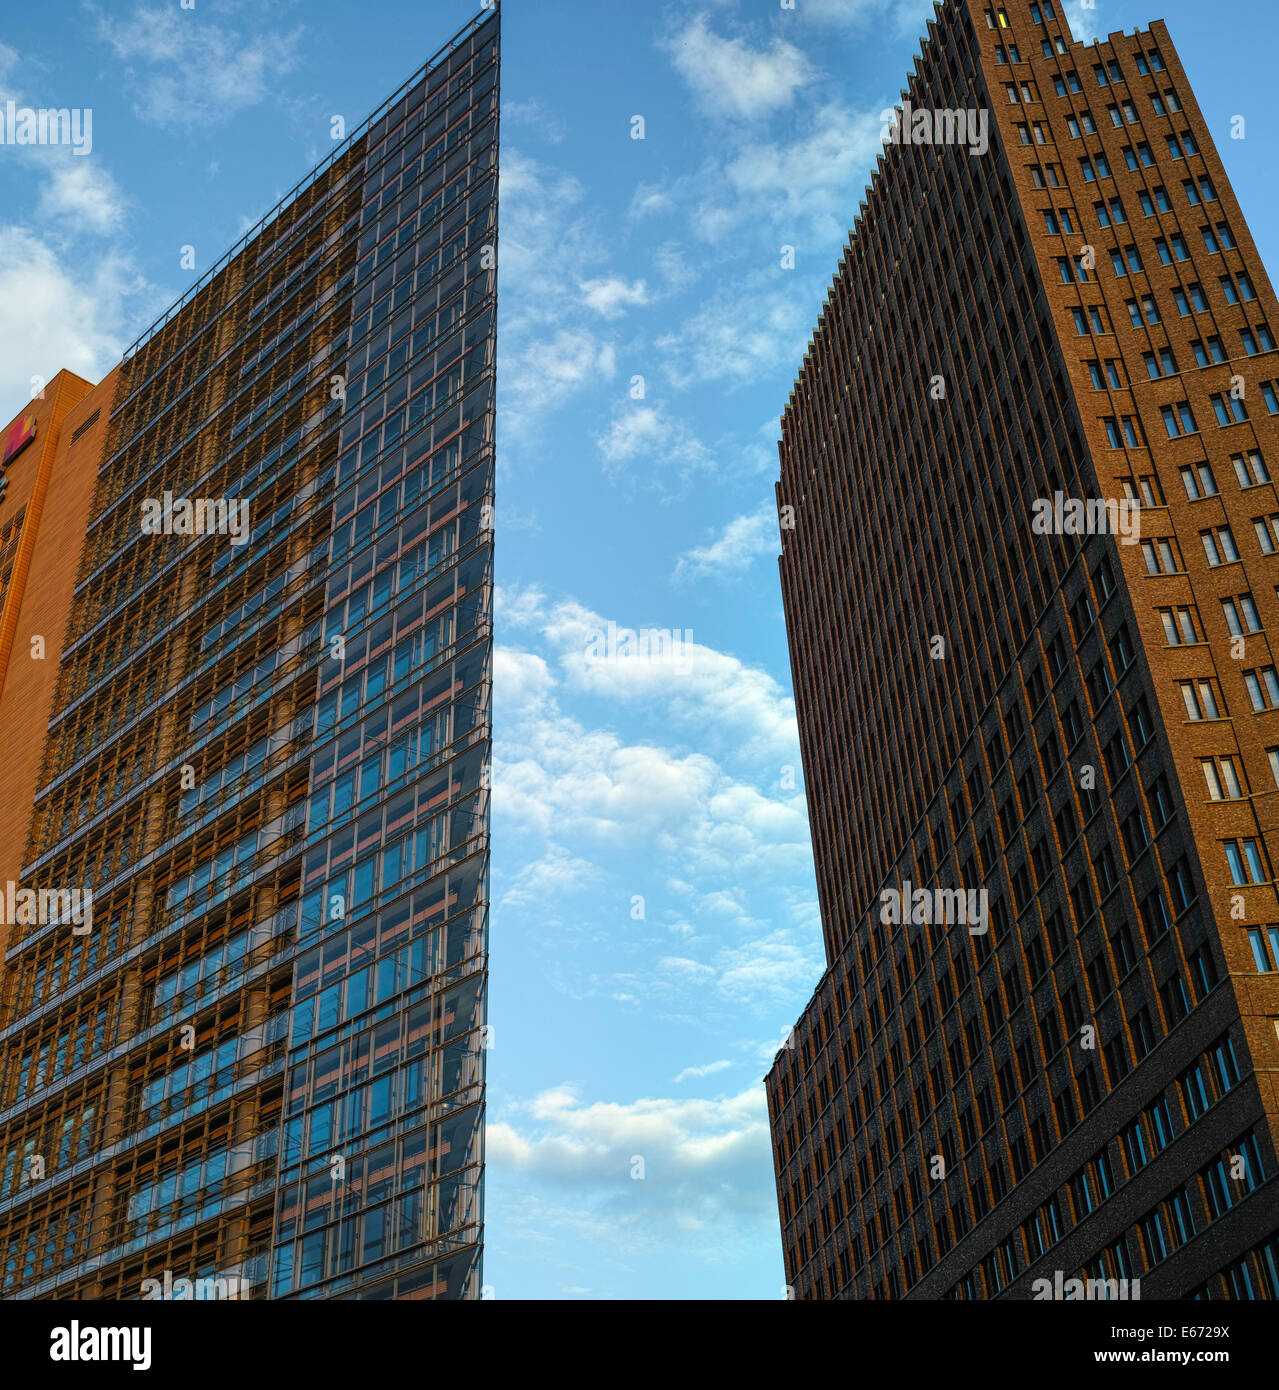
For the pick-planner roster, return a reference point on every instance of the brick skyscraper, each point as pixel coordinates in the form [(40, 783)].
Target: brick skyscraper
[(1084, 728), (261, 1063)]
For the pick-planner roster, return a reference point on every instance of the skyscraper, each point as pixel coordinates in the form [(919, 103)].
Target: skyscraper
[(1030, 558), (245, 975)]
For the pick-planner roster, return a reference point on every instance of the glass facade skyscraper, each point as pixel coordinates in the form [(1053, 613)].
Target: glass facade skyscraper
[(262, 1063)]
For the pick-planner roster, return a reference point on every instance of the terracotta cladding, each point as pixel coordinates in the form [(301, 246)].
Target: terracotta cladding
[(51, 487), (982, 706)]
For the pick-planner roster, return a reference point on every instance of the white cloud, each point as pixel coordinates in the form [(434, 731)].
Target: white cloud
[(650, 200), (533, 114), (569, 1140), (709, 1069), (810, 184), (645, 435), (745, 330), (713, 838), (51, 319), (540, 374), (612, 296), (684, 1174), (184, 70), (81, 191), (728, 78), (547, 244), (78, 192), (743, 541), (718, 694), (1085, 26), (903, 18), (685, 968), (548, 879), (550, 350)]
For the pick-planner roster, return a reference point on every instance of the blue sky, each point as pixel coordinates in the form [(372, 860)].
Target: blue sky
[(655, 926)]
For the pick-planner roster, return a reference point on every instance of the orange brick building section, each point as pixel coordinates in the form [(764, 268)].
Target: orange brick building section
[(45, 510)]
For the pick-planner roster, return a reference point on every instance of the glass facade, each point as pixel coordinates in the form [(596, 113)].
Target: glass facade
[(268, 759)]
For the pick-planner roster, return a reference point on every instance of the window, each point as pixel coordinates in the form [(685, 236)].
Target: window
[(1180, 627), (1160, 556), (1267, 529), (1241, 615), (1194, 1089), (1225, 236), (1050, 222), (1199, 481), (1143, 491), (1146, 309), (1189, 300), (1176, 1002), (1208, 351), (1237, 290), (1265, 948), (1262, 687), (1179, 419), (1250, 468), (1225, 1065), (1219, 545), (1222, 779), (1161, 363), (1200, 699), (1229, 410), (1270, 395), (1245, 861), (1134, 1145)]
